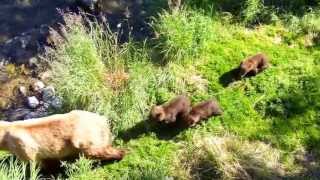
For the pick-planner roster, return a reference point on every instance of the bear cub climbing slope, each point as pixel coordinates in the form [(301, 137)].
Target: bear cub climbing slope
[(254, 64), (178, 111), (201, 111), (169, 112)]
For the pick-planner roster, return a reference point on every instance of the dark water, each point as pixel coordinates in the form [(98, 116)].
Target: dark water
[(18, 16), (24, 24)]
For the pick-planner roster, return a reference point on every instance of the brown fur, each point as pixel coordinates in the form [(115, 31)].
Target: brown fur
[(169, 112), (59, 136), (254, 64), (201, 111)]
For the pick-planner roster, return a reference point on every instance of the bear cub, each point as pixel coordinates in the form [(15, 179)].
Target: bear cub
[(254, 64), (169, 112), (201, 111)]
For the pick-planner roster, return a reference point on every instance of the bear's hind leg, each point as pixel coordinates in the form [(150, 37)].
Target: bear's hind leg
[(23, 146)]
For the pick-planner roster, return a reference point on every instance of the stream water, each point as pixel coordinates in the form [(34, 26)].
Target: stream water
[(24, 23), (18, 16)]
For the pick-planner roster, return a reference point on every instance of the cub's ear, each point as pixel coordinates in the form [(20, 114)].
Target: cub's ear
[(243, 64)]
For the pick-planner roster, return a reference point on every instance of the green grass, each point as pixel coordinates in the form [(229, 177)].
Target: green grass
[(13, 169), (278, 106), (150, 158), (272, 105), (79, 73), (276, 110)]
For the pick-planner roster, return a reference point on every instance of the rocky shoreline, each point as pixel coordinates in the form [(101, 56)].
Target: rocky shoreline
[(37, 101), (23, 54)]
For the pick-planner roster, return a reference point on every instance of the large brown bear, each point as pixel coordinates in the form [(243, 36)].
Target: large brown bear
[(202, 111), (254, 64), (169, 112), (60, 136)]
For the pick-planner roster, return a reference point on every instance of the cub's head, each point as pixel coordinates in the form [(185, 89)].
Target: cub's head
[(157, 113), (190, 120), (216, 110), (244, 68)]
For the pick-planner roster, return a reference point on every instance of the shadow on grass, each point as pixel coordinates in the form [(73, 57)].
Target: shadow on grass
[(232, 76), (297, 111), (229, 77), (162, 131), (297, 101)]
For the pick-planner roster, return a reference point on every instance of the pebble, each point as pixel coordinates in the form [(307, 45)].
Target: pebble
[(33, 102), (38, 86), (45, 75), (56, 103), (23, 90), (46, 105), (33, 62)]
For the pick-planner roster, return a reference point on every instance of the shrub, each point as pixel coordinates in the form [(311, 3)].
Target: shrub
[(79, 72), (310, 24), (255, 12), (182, 35)]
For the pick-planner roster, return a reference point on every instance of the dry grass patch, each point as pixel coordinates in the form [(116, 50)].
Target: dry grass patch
[(117, 79), (231, 158)]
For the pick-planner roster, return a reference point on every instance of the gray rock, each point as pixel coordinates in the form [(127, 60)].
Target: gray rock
[(56, 103), (36, 114), (46, 106), (48, 93), (30, 115), (33, 102), (17, 114)]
